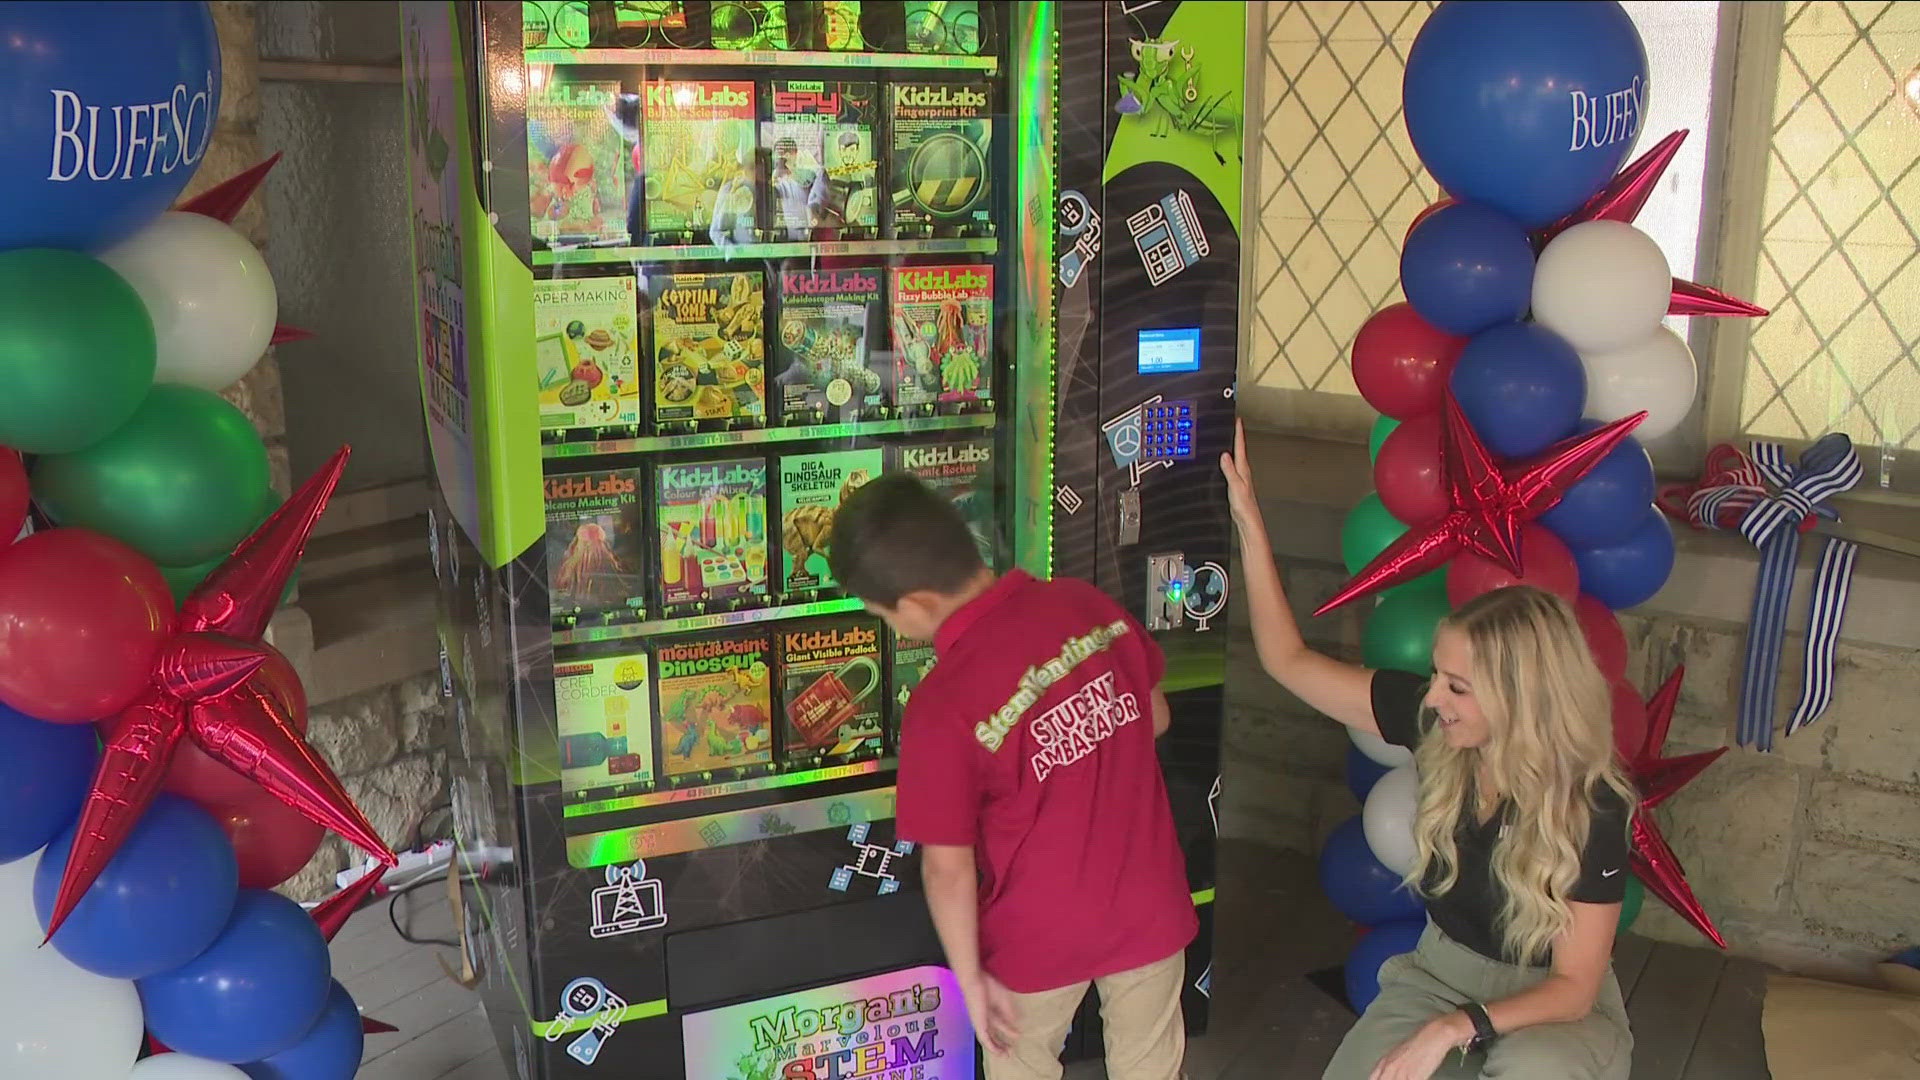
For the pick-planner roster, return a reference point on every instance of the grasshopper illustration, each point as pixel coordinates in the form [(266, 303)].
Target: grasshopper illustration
[(1167, 87)]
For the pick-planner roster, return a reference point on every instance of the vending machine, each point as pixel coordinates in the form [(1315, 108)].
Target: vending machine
[(688, 274)]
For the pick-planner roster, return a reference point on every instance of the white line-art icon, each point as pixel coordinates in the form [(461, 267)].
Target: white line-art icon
[(870, 860), (1167, 234), (628, 903), (583, 998)]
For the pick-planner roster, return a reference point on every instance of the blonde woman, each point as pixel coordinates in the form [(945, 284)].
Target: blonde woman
[(1521, 830)]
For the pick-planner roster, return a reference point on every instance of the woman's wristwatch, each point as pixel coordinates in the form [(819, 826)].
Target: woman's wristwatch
[(1483, 1032)]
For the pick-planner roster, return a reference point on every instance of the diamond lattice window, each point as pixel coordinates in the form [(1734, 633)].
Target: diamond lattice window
[(1839, 260)]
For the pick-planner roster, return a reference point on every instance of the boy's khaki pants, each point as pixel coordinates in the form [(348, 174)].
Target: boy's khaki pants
[(1140, 1010)]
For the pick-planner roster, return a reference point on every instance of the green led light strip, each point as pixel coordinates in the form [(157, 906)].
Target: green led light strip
[(576, 256), (761, 58), (706, 439), (567, 1025), (731, 827), (1204, 896), (687, 623), (732, 787)]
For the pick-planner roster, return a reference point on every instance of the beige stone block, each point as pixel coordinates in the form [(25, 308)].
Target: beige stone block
[(356, 735), (258, 395), (1843, 809), (278, 467), (397, 795), (239, 62), (1733, 829), (315, 881), (1869, 728), (1865, 895), (1710, 691)]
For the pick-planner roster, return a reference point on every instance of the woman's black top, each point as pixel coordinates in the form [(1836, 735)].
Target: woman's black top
[(1469, 912)]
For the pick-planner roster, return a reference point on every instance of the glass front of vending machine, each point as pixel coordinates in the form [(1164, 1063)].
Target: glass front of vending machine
[(688, 274)]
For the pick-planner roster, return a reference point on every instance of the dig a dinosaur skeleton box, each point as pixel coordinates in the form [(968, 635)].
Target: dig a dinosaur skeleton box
[(812, 487)]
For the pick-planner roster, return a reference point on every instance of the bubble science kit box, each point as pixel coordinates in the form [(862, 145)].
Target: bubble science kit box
[(701, 160)]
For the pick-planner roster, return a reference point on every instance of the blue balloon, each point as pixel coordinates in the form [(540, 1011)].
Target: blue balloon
[(1362, 772), (1360, 886), (161, 899), (1628, 573), (107, 109), (1381, 944), (1466, 268), (45, 770), (1529, 108), (331, 1051), (1521, 386), (257, 990), (1606, 505)]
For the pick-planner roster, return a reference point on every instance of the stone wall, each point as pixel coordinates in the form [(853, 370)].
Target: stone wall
[(384, 743), (389, 748), (1808, 857)]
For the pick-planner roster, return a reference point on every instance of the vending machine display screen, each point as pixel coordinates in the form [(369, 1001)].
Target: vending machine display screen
[(1169, 351)]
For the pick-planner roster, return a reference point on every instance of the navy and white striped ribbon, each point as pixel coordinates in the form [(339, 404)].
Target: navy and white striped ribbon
[(1737, 499)]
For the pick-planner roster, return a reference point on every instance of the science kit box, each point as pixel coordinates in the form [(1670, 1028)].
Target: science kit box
[(825, 371), (577, 164), (830, 689), (812, 487), (908, 661), (604, 707), (942, 335), (586, 351), (711, 524), (702, 165), (822, 175), (941, 158), (714, 701), (709, 350), (596, 547), (962, 470)]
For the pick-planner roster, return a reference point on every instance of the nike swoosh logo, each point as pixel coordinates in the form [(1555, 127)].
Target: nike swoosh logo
[(1609, 873)]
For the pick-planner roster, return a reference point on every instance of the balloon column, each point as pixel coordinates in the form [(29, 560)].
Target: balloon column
[(1519, 376), (154, 776)]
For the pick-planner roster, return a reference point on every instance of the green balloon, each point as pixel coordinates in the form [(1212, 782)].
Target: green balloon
[(1367, 532), (1382, 428), (182, 580), (1399, 633), (1630, 905), (180, 482), (76, 351)]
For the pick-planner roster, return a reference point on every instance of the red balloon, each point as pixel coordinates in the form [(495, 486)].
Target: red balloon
[(14, 495), (1545, 563), (1629, 719), (1602, 630), (1445, 201), (82, 617), (1401, 363), (195, 775), (272, 840), (1408, 472)]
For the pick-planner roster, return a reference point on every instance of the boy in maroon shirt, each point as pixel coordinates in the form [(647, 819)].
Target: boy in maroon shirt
[(1029, 778)]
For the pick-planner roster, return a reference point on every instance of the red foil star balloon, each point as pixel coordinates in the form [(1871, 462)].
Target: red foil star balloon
[(206, 687), (1656, 778), (1690, 298), (1489, 503), (1624, 195)]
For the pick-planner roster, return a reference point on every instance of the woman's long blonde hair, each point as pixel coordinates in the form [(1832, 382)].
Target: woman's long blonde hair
[(1550, 751)]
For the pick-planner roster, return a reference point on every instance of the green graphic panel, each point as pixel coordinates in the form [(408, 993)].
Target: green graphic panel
[(1182, 100)]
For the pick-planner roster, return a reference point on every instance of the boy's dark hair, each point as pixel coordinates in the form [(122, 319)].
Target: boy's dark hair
[(894, 536)]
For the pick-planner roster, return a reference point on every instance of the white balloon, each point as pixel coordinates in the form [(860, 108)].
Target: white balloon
[(1601, 285), (184, 1067), (1388, 818), (1379, 750), (212, 301), (1656, 374), (19, 926), (64, 1023)]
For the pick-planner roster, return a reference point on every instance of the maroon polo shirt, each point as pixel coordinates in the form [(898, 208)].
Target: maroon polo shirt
[(1031, 741)]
